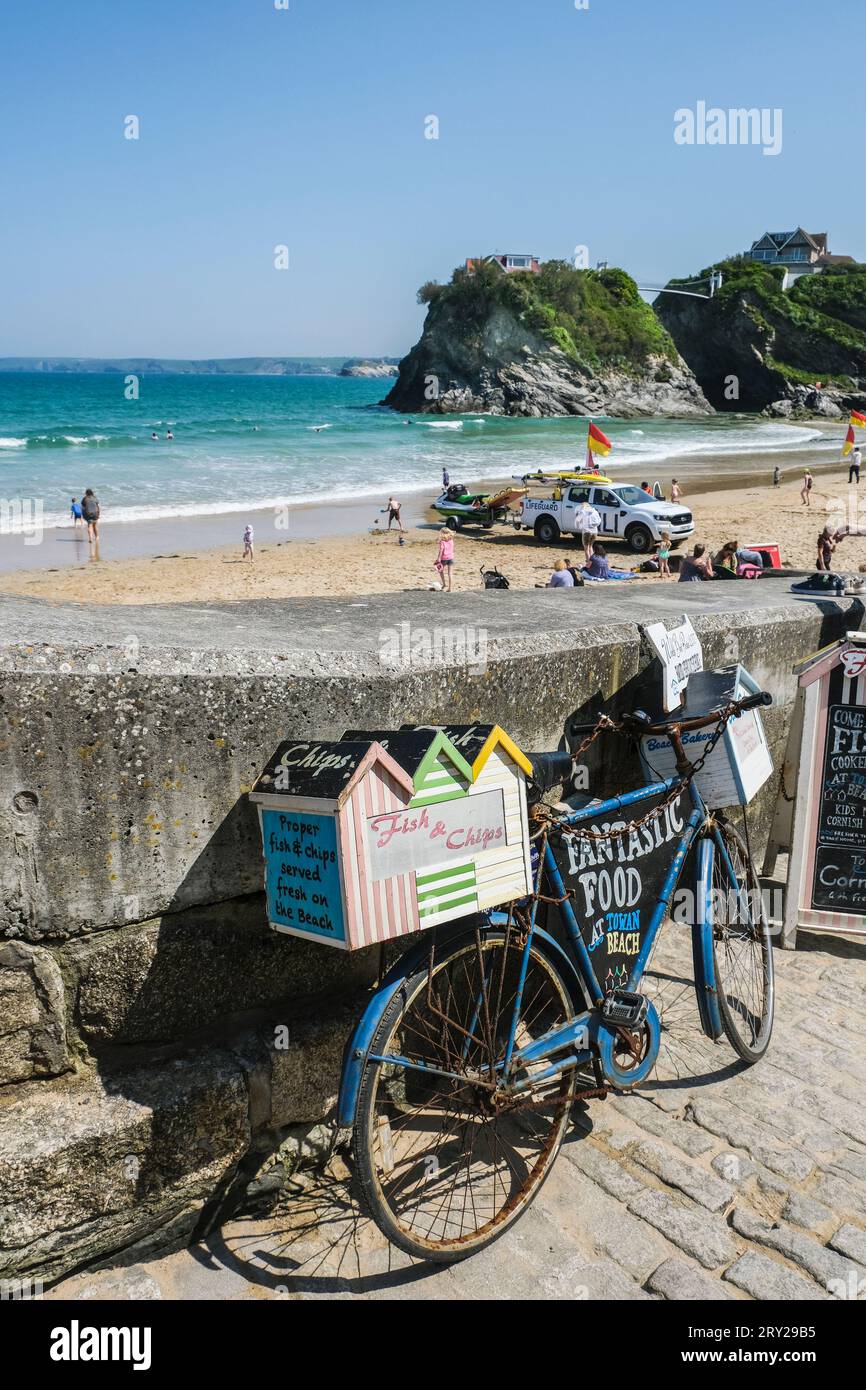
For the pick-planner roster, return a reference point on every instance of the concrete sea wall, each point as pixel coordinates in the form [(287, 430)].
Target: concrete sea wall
[(158, 1043)]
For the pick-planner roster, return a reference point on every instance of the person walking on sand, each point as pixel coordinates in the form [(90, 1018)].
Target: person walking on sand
[(776, 476), (676, 491), (854, 466), (664, 555), (806, 488), (445, 557), (587, 523), (394, 513), (446, 477), (90, 511), (248, 544), (75, 512)]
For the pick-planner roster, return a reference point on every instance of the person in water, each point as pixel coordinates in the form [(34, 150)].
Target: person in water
[(90, 511)]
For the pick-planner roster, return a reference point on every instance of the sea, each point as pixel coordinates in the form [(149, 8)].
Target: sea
[(246, 442)]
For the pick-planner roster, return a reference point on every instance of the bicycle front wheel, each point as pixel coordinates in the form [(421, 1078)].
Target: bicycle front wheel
[(445, 1160), (742, 949)]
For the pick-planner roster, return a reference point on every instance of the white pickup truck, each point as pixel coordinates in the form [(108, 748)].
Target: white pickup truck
[(627, 513)]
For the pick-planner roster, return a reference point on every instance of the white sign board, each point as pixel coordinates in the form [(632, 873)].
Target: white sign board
[(679, 650), (419, 837)]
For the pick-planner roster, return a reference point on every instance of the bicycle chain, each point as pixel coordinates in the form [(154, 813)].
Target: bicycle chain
[(549, 817)]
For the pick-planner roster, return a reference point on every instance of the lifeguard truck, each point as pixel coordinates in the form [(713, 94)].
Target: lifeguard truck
[(627, 512)]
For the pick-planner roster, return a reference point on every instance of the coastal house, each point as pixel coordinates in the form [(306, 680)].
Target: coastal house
[(382, 833), (508, 261), (798, 252)]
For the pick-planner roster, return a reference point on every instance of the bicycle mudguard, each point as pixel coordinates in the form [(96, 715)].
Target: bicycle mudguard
[(702, 941), (358, 1045)]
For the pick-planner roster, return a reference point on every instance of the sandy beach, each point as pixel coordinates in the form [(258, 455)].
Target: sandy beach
[(351, 556)]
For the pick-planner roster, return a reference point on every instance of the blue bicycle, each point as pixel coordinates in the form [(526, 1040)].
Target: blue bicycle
[(460, 1077)]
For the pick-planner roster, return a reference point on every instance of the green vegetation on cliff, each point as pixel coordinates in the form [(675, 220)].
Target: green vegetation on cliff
[(769, 343), (596, 317), (818, 317)]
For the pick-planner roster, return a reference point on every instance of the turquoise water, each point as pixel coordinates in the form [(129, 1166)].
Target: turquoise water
[(242, 442)]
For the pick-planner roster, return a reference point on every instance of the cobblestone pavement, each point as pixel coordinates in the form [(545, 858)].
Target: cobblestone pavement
[(715, 1182)]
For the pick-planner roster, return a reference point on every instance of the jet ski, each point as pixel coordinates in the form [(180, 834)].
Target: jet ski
[(463, 508)]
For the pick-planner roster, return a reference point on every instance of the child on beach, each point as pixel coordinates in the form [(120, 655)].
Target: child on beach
[(664, 554), (676, 490), (806, 488), (444, 561), (75, 510), (248, 543), (776, 476)]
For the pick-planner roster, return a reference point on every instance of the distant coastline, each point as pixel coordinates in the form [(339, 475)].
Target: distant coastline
[(204, 366)]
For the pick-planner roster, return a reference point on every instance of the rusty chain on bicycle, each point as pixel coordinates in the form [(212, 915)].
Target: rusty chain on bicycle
[(548, 817)]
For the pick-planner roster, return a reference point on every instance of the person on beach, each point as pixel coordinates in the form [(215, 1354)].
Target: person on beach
[(776, 476), (645, 487), (676, 491), (446, 477), (664, 555), (806, 488), (587, 522), (90, 513), (696, 566), (854, 466), (827, 542), (248, 544), (444, 561), (726, 558), (599, 564), (75, 512), (393, 510), (562, 578)]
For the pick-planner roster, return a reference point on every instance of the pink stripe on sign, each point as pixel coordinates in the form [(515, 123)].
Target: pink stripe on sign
[(376, 906), (360, 863)]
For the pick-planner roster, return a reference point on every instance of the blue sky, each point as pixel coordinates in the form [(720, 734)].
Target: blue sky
[(305, 127)]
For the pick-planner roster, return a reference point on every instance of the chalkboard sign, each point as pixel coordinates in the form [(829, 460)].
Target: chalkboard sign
[(839, 880), (825, 830), (615, 883)]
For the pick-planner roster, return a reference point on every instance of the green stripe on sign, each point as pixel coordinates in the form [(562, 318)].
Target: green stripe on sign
[(438, 875), (440, 905)]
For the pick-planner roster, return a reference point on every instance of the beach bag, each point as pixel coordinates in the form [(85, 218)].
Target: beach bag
[(749, 571), (492, 579)]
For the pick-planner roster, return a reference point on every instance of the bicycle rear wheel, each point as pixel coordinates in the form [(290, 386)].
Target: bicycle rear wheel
[(742, 949), (446, 1163)]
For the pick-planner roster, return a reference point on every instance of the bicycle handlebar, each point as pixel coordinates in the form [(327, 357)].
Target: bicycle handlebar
[(641, 722)]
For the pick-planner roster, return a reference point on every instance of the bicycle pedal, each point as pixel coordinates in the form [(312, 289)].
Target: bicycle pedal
[(622, 1007)]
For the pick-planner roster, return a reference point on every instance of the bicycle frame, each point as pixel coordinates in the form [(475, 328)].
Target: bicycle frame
[(587, 1036)]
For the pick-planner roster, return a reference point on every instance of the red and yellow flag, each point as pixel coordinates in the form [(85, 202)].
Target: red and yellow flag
[(597, 442), (849, 441), (858, 420)]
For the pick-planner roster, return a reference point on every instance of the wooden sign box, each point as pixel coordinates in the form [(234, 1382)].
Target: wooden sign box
[(385, 832)]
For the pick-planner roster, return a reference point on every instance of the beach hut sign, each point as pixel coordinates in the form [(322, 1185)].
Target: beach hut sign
[(385, 832), (823, 825)]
